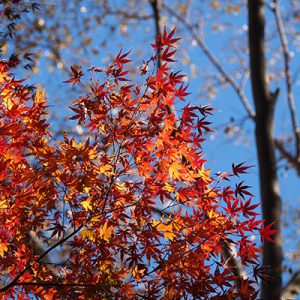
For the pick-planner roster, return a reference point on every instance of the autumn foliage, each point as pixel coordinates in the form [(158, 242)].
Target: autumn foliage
[(134, 207)]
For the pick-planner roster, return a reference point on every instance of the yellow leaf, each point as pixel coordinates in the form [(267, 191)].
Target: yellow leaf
[(105, 266), (76, 146), (96, 218), (86, 189), (106, 169), (137, 273), (92, 154), (39, 95), (204, 175), (211, 193), (169, 235), (89, 234), (3, 248), (174, 170), (167, 230), (121, 186), (212, 214), (7, 97), (106, 232), (3, 204), (160, 142), (169, 188), (87, 204)]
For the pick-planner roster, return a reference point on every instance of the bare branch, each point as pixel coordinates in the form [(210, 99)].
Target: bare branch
[(292, 289), (244, 79), (230, 256), (288, 75), (285, 154), (215, 62), (127, 15)]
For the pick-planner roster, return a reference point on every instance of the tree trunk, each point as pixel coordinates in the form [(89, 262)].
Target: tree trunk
[(264, 102)]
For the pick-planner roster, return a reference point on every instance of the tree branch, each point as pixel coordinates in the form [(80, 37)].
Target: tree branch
[(39, 249), (55, 284), (41, 257), (230, 257), (156, 7), (264, 102), (292, 289), (285, 154), (288, 75), (215, 62)]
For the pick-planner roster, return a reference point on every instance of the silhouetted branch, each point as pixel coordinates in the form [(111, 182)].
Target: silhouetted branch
[(41, 257), (57, 284), (285, 154), (39, 249), (288, 75)]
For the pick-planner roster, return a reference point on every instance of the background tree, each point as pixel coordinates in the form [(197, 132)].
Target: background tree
[(272, 32)]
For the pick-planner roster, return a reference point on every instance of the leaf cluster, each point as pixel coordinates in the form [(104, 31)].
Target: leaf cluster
[(134, 207)]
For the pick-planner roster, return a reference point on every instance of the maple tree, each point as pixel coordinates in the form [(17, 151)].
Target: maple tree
[(218, 38), (134, 206)]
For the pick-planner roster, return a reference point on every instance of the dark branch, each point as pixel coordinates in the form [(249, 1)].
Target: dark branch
[(295, 164), (264, 102), (156, 7), (40, 258), (55, 284), (288, 76)]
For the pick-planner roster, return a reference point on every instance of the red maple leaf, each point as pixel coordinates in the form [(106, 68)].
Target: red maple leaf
[(77, 74), (240, 169), (266, 232)]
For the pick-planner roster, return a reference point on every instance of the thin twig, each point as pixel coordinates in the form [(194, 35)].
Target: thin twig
[(55, 284), (288, 75), (129, 16), (244, 79)]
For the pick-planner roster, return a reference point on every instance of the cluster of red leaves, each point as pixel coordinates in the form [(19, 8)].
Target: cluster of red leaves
[(134, 209)]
